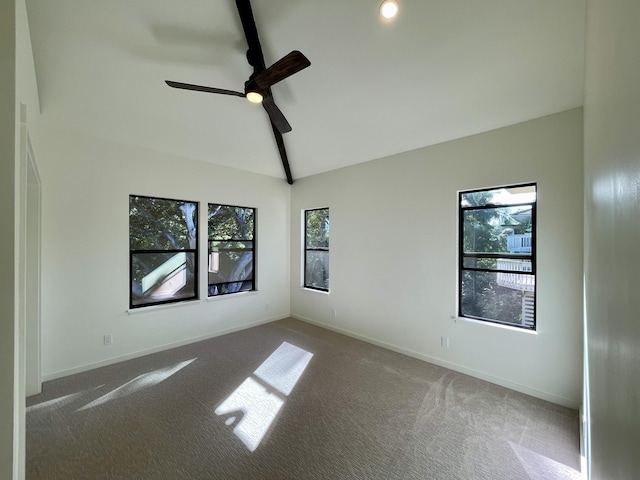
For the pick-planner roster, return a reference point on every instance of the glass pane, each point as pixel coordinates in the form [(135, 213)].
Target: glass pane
[(317, 270), (160, 277), (161, 224), (230, 266), (226, 288), (317, 228), (498, 230), (231, 257), (245, 245), (227, 222), (499, 196), (497, 264), (504, 297)]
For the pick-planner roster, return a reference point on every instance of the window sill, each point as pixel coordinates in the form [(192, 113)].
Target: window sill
[(314, 290), (164, 306), (217, 298), (494, 325)]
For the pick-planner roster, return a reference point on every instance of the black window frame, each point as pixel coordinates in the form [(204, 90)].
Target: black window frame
[(308, 249), (253, 250), (194, 251), (532, 257)]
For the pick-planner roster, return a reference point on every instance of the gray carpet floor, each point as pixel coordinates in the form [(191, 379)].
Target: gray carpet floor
[(288, 400)]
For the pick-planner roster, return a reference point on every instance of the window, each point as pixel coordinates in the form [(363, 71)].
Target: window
[(163, 250), (231, 265), (497, 259), (316, 250)]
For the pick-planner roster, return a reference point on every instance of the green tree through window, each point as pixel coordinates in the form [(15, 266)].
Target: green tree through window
[(316, 251), (231, 265), (497, 255), (163, 244)]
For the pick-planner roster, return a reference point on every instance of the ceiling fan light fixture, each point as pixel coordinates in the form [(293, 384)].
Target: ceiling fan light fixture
[(389, 8), (254, 97)]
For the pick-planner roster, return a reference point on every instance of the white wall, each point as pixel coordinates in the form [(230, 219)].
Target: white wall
[(393, 263), (8, 268), (85, 250), (612, 235)]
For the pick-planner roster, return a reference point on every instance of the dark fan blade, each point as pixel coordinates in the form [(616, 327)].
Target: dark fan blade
[(283, 68), (199, 88), (276, 116), (254, 54), (283, 153)]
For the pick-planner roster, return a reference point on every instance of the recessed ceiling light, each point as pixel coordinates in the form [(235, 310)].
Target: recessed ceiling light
[(389, 8)]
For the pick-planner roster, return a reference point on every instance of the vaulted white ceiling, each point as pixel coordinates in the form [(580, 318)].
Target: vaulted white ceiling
[(444, 69)]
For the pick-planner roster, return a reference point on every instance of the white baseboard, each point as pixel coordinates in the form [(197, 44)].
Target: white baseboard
[(550, 397), (148, 351), (420, 356)]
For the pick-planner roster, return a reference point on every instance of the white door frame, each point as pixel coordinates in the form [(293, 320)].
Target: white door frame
[(30, 261)]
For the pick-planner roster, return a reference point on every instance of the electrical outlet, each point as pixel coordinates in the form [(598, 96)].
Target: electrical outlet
[(334, 314), (444, 342), (108, 339), (266, 307)]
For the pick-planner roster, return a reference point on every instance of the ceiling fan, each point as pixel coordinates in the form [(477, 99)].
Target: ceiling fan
[(258, 87)]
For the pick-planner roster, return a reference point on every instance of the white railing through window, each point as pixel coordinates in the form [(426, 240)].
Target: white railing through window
[(520, 243), (525, 283)]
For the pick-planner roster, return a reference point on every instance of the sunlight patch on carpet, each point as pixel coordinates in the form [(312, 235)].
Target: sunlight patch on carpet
[(254, 405), (539, 467), (253, 408), (54, 403), (284, 367), (141, 382)]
